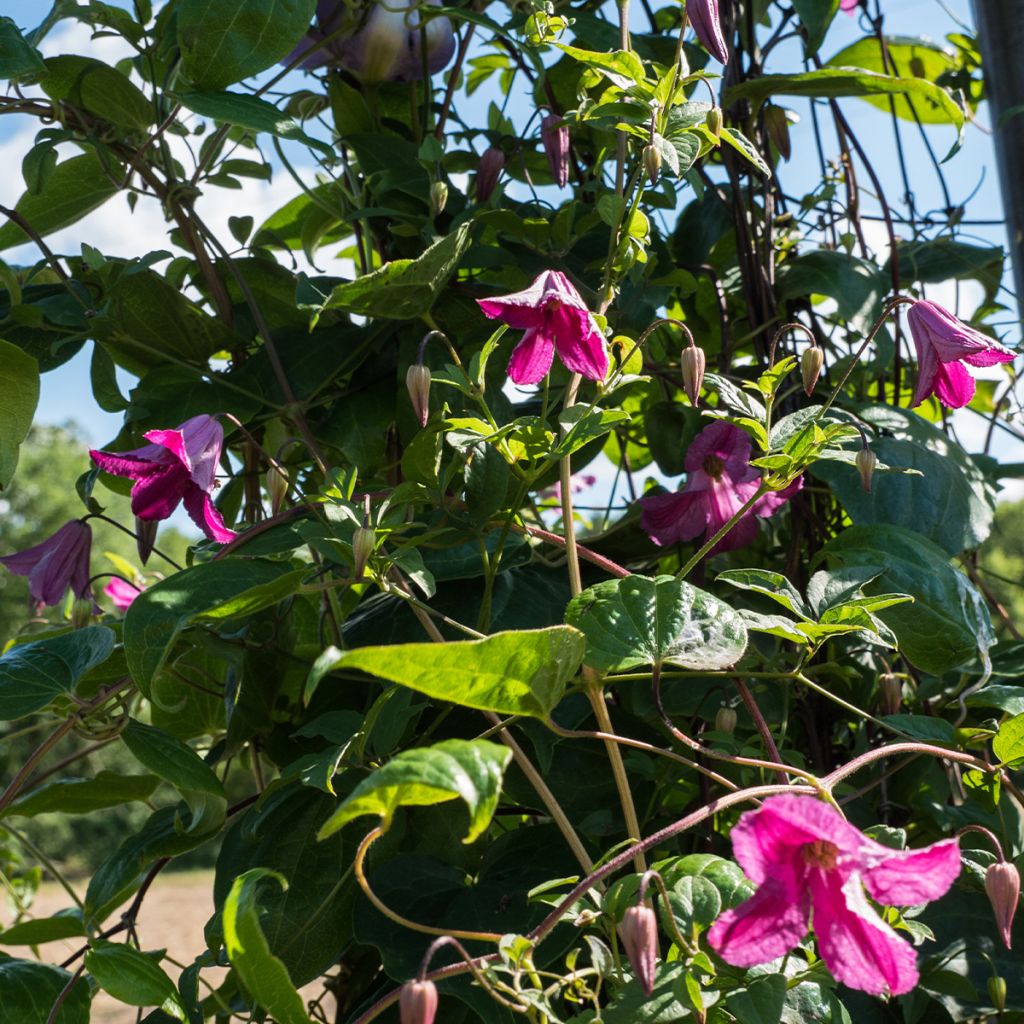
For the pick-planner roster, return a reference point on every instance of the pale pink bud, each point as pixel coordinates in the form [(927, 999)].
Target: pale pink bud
[(890, 693), (725, 720), (417, 381), (811, 363), (639, 931), (554, 136), (652, 162), (693, 362), (277, 487), (866, 462), (488, 171), (1002, 883), (417, 1003)]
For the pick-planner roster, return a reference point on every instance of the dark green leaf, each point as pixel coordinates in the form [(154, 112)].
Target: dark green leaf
[(98, 88), (19, 384), (487, 476), (16, 56), (857, 286), (761, 1001), (28, 990), (816, 17), (83, 796), (1008, 745), (133, 977), (642, 621), (65, 924)]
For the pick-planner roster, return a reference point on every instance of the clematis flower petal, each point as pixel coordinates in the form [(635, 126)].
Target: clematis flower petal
[(768, 504), (579, 344), (953, 385), (707, 23), (133, 464), (858, 947), (531, 358), (156, 496), (909, 877), (765, 927), (723, 441), (59, 562), (202, 511), (121, 593), (672, 518)]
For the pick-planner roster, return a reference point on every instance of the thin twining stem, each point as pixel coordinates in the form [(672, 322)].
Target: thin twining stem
[(568, 517), (448, 940), (706, 548), (358, 867), (762, 727), (793, 325)]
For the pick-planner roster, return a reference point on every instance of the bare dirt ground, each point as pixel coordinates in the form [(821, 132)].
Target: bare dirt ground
[(172, 918)]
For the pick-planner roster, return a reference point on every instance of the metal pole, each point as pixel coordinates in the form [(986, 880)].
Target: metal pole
[(1001, 37)]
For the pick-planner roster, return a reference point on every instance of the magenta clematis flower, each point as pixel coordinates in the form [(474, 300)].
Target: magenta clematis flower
[(810, 864), (719, 483), (555, 318), (61, 561), (849, 5), (707, 23), (121, 593), (943, 344), (178, 465), (554, 137)]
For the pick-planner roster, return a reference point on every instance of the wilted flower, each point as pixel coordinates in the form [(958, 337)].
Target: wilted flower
[(943, 344), (59, 562), (178, 465), (387, 44), (121, 593), (554, 136), (720, 482), (417, 1003), (1002, 883), (707, 23), (555, 318), (811, 865), (639, 931)]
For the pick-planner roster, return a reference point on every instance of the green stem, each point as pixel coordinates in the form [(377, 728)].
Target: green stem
[(747, 506)]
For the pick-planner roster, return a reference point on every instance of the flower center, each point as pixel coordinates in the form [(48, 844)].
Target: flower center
[(821, 854), (714, 466)]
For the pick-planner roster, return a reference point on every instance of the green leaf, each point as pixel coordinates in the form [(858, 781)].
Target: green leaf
[(28, 990), (487, 477), (948, 624), (622, 67), (467, 770), (133, 977), (1008, 744), (642, 621), (83, 796), (19, 384), (665, 1004), (263, 975), (17, 57), (93, 86), (770, 584), (76, 187), (403, 289), (695, 902), (33, 674), (205, 593), (816, 17), (746, 149), (857, 285), (515, 673), (65, 924), (223, 41), (251, 113), (761, 1002)]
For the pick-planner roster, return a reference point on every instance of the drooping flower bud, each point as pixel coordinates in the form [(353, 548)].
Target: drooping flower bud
[(997, 991), (777, 125), (145, 537), (1002, 883), (554, 137), (438, 197), (277, 487), (81, 612), (866, 462), (417, 380), (890, 693), (488, 171), (811, 363), (639, 932), (363, 542), (714, 122), (725, 719), (693, 362), (652, 162), (417, 1003)]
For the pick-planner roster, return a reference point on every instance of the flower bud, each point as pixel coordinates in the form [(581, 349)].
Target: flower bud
[(488, 171), (417, 380), (811, 363), (714, 122), (652, 162), (693, 361), (277, 487), (1002, 883), (997, 992), (81, 612), (417, 1003), (145, 537), (866, 462), (363, 542), (639, 931), (725, 720), (438, 197), (890, 693), (554, 137), (777, 125)]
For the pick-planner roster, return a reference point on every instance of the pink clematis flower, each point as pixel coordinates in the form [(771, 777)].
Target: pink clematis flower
[(809, 863), (178, 465), (943, 344), (121, 593), (720, 482), (555, 318), (707, 23), (849, 5), (61, 561)]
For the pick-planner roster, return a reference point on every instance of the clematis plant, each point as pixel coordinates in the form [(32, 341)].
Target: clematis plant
[(555, 319), (943, 345), (720, 482), (812, 866), (59, 562), (177, 466), (121, 593), (706, 19)]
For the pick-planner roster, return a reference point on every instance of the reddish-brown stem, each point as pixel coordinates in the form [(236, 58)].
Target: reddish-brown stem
[(762, 727)]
